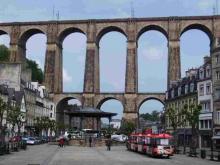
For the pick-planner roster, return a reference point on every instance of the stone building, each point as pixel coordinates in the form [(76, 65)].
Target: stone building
[(13, 98), (182, 92), (39, 104), (205, 99)]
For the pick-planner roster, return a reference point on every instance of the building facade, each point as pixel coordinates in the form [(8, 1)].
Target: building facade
[(39, 104), (181, 93), (205, 99)]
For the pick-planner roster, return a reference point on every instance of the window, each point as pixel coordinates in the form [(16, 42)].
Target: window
[(201, 74), (201, 89), (172, 93), (206, 123), (191, 87), (186, 89), (217, 93), (217, 59), (210, 123), (208, 72), (218, 117), (179, 91), (217, 75), (201, 124), (208, 88), (206, 106)]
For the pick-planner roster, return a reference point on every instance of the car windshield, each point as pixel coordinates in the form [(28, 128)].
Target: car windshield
[(31, 139)]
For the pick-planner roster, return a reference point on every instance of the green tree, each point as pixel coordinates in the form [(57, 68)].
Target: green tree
[(191, 113), (127, 127), (15, 117), (38, 124), (52, 126), (175, 121), (153, 116), (37, 73), (3, 109), (4, 53)]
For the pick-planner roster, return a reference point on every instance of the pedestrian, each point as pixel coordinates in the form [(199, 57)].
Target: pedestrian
[(61, 142), (108, 143), (90, 141)]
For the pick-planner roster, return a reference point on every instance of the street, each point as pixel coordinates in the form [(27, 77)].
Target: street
[(52, 155)]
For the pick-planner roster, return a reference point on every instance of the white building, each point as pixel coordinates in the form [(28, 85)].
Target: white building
[(39, 104), (205, 99)]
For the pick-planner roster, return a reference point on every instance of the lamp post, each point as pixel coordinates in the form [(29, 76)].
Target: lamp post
[(212, 134)]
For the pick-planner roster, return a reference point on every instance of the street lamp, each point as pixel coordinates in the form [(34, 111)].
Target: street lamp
[(212, 134)]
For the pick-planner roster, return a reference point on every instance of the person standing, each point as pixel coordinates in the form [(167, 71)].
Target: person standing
[(90, 141)]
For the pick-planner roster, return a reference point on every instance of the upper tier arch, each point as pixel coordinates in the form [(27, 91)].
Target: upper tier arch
[(27, 34), (152, 27), (201, 27), (107, 30)]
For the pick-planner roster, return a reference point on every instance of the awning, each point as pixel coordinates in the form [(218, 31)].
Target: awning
[(216, 137)]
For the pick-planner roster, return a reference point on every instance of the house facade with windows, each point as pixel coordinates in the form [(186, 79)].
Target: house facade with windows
[(205, 99), (181, 93)]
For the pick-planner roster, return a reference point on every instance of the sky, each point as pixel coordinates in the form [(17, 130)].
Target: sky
[(152, 45)]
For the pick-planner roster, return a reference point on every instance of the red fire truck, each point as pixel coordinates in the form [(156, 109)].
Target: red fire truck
[(156, 145)]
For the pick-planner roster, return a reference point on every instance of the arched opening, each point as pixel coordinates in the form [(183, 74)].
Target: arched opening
[(62, 119), (4, 39), (4, 46), (33, 50), (112, 55), (152, 61), (114, 106), (74, 54), (151, 114), (36, 49), (195, 44)]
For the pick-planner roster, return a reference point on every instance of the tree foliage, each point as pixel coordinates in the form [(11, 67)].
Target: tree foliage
[(191, 113), (127, 127), (15, 117), (4, 53), (174, 118), (153, 116), (37, 73)]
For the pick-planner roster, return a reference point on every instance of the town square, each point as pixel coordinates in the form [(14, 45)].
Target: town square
[(109, 82)]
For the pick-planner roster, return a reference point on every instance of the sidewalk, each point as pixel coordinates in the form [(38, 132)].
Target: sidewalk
[(207, 150)]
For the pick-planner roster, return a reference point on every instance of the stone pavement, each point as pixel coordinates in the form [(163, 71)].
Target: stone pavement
[(69, 155)]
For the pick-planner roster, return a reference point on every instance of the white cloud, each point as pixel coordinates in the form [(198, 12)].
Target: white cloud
[(154, 53), (66, 77)]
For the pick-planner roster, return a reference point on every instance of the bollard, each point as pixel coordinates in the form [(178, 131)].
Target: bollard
[(203, 154)]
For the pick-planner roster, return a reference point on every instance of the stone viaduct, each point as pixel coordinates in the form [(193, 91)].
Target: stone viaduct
[(132, 28)]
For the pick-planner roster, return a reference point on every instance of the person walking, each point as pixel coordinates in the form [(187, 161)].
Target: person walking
[(61, 142), (108, 143)]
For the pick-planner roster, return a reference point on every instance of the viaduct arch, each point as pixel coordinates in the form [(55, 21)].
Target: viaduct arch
[(132, 28)]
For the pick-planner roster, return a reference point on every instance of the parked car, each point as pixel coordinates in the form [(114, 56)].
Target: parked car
[(31, 140), (119, 138)]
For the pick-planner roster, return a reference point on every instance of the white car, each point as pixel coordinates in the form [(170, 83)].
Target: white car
[(31, 140), (120, 138)]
